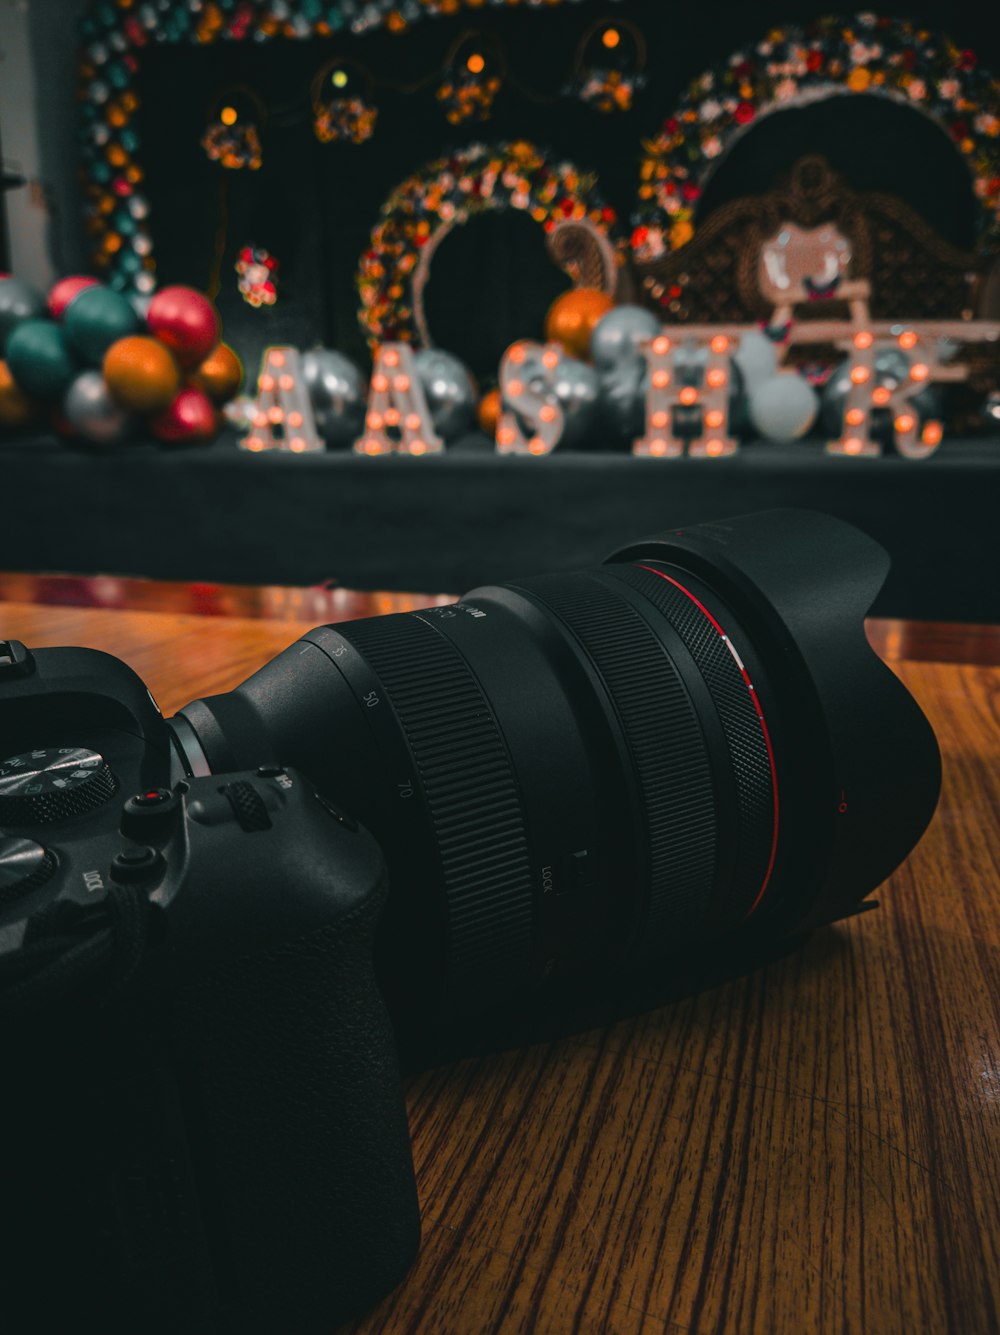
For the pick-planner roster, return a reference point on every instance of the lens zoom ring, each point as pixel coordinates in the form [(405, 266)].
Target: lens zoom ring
[(665, 741), (739, 719), (470, 790)]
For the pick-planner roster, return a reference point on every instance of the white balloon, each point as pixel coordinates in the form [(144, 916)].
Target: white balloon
[(784, 407), (757, 358)]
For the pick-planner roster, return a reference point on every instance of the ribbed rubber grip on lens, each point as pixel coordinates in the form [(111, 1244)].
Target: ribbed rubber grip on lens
[(470, 790), (741, 724), (665, 740)]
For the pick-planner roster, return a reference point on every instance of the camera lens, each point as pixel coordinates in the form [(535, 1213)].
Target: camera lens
[(608, 766)]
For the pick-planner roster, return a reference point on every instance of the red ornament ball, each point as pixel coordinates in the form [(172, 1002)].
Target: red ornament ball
[(63, 292), (186, 321), (192, 418)]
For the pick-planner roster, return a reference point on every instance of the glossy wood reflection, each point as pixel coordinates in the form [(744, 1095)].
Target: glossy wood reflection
[(813, 1148)]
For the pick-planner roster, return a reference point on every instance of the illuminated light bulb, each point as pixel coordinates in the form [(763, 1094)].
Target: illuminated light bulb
[(475, 64), (610, 38), (275, 414), (919, 371), (267, 383), (277, 359), (515, 388), (713, 447), (657, 446), (904, 423), (548, 413), (714, 418), (932, 433), (375, 421), (505, 436), (661, 379), (863, 339), (516, 354), (716, 377), (908, 339), (228, 116), (339, 78), (550, 358), (402, 383), (855, 416), (852, 445), (380, 383), (260, 419), (688, 395), (413, 422), (719, 343), (659, 419), (392, 417), (372, 447), (286, 382), (418, 447), (297, 444), (255, 443), (391, 358), (536, 445), (661, 344), (294, 420), (860, 374), (881, 396)]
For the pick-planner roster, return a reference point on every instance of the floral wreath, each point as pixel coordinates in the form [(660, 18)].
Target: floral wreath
[(113, 35), (886, 56), (471, 181)]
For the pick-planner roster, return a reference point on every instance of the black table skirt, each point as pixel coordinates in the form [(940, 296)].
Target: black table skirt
[(447, 523)]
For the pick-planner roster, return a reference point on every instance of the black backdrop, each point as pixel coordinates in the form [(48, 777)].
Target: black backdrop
[(313, 205)]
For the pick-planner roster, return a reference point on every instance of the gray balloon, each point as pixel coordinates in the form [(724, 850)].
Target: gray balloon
[(19, 301), (577, 387), (784, 407), (449, 391), (618, 336), (623, 396), (338, 394), (139, 301), (93, 413), (757, 359)]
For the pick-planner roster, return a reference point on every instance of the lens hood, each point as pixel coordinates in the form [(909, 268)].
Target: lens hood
[(861, 741)]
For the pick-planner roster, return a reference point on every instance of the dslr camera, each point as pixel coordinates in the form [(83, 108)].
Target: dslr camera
[(689, 752)]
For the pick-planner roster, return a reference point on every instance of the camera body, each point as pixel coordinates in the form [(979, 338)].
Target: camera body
[(203, 1128)]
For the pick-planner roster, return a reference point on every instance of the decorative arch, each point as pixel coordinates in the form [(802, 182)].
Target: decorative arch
[(113, 34), (796, 65), (421, 211)]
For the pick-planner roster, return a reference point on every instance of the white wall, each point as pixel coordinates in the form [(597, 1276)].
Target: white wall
[(27, 212)]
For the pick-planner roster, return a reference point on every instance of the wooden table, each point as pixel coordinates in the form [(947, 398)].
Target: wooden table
[(814, 1147)]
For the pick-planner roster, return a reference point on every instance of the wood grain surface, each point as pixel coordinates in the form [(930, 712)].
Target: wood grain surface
[(815, 1147)]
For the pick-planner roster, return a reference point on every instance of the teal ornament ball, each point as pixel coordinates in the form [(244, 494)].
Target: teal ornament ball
[(97, 318), (40, 359), (18, 301)]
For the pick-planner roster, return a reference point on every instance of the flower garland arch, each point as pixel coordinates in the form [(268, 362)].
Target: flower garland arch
[(113, 34), (790, 66), (449, 191)]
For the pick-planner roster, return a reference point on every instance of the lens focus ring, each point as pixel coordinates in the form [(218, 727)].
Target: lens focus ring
[(665, 741), (470, 791), (741, 722)]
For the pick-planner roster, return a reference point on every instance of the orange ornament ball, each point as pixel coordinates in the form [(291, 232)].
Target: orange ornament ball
[(488, 411), (572, 317), (141, 374), (16, 409), (219, 375)]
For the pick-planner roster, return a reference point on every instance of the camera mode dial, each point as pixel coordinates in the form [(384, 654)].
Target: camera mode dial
[(53, 784)]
